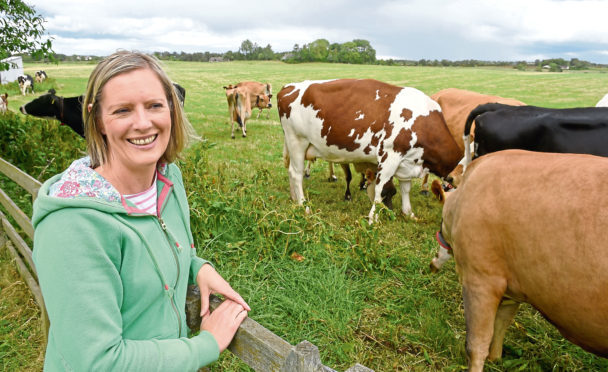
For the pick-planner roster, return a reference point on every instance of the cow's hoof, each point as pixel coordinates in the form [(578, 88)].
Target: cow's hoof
[(232, 137), (434, 269), (332, 179), (306, 175), (424, 192), (347, 198)]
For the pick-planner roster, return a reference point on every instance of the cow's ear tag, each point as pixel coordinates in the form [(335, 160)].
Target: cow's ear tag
[(52, 101)]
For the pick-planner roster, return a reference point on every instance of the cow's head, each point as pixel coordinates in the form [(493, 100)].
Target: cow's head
[(263, 101), (47, 105)]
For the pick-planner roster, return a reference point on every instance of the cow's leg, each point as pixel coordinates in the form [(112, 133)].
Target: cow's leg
[(349, 177), (332, 174), (259, 112), (424, 189), (244, 128), (363, 182), (504, 316), (307, 169), (406, 206), (381, 180), (297, 154), (443, 255), (480, 304)]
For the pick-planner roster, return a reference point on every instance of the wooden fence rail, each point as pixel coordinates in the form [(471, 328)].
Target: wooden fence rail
[(258, 347)]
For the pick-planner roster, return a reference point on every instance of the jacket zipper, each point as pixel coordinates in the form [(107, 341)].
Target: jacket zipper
[(164, 227)]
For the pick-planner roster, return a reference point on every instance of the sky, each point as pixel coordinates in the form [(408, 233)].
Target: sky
[(489, 30)]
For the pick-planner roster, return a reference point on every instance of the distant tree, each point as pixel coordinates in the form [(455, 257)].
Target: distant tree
[(554, 67), (319, 50), (246, 48), (22, 31)]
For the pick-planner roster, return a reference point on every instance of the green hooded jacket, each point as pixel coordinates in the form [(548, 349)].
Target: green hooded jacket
[(114, 279)]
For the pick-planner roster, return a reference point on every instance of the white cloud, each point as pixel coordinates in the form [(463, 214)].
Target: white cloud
[(414, 29)]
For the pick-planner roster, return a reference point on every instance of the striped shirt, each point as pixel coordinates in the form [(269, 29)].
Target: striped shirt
[(145, 200)]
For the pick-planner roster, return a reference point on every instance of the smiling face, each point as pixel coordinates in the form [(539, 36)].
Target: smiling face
[(135, 119)]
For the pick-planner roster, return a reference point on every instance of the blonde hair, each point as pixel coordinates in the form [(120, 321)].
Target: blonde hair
[(118, 63)]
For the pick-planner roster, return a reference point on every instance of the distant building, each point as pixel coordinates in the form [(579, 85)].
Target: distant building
[(216, 59), (15, 69)]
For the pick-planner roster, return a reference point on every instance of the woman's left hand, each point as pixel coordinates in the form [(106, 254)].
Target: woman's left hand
[(210, 282)]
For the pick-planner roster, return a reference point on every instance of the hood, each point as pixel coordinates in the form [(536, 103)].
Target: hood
[(80, 186)]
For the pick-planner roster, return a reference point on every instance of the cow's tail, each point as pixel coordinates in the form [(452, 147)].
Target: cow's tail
[(466, 137), (237, 106)]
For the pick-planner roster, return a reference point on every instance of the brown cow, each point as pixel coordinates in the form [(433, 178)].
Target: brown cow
[(258, 88), (538, 242), (401, 130), (241, 100), (456, 104)]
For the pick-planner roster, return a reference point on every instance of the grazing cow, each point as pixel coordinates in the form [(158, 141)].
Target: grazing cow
[(261, 89), (25, 83), (534, 242), (3, 103), (456, 104), (241, 100), (603, 102), (40, 76), (68, 110), (501, 127), (401, 130)]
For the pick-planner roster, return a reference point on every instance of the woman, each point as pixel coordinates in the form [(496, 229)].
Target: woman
[(113, 247)]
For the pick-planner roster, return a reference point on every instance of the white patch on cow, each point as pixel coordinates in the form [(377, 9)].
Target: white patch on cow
[(361, 116), (377, 94), (443, 255), (352, 131)]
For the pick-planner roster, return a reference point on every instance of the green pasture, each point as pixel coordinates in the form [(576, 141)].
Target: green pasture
[(362, 294)]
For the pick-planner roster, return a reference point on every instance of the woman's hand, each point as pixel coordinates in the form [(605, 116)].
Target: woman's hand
[(210, 282), (224, 321)]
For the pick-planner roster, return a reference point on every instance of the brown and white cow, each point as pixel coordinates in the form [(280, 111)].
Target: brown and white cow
[(456, 104), (401, 130), (3, 103), (538, 242), (241, 100), (258, 88)]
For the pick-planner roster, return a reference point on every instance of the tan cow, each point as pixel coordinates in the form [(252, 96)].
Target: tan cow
[(456, 104), (241, 100), (258, 88), (515, 240)]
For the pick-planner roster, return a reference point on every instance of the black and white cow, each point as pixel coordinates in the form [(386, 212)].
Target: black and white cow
[(25, 83), (68, 110), (40, 76), (501, 127)]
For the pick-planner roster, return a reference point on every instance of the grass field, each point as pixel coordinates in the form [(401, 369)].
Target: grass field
[(362, 294)]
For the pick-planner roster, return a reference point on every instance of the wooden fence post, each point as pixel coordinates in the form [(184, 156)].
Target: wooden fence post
[(304, 357)]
